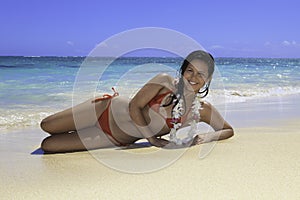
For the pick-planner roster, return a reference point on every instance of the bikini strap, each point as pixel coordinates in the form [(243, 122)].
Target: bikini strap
[(106, 96), (158, 99)]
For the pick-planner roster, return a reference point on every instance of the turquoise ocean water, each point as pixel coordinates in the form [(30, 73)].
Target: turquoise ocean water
[(31, 88)]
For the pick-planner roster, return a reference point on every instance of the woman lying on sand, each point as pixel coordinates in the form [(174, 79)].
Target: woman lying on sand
[(160, 107)]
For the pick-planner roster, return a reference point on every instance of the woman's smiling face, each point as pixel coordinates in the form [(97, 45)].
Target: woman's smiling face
[(196, 75)]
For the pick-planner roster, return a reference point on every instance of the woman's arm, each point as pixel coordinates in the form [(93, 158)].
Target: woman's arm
[(141, 100), (211, 116)]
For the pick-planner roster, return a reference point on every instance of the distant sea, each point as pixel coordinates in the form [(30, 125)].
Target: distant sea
[(32, 88)]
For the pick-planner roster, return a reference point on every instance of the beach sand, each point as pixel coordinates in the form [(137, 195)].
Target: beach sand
[(259, 162)]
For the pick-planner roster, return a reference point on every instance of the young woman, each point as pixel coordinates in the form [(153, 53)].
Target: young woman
[(160, 107)]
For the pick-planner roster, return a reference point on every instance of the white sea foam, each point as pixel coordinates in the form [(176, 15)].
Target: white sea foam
[(234, 95), (21, 118)]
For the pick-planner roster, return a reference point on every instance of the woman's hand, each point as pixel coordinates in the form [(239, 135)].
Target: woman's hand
[(163, 143), (201, 138), (158, 142)]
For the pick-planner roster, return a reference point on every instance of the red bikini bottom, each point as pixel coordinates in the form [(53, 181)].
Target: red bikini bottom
[(103, 120)]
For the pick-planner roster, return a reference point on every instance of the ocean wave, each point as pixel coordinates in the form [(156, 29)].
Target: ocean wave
[(21, 118), (27, 116), (244, 94)]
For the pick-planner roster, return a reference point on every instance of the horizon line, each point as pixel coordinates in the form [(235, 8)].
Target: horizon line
[(143, 56)]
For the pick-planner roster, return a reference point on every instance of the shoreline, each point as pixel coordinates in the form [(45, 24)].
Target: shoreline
[(264, 111), (258, 111)]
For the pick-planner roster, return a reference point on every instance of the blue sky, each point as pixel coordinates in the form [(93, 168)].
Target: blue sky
[(225, 28)]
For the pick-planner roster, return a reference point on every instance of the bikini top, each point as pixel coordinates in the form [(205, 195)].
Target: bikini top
[(155, 104)]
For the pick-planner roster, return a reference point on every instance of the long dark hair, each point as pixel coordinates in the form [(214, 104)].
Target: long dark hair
[(200, 55)]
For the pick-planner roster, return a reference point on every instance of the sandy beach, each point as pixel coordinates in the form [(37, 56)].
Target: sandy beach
[(259, 162)]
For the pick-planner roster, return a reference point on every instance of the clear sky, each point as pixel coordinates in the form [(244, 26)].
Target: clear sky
[(226, 28)]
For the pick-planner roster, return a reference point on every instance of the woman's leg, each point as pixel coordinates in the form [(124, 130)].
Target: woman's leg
[(83, 115), (90, 138)]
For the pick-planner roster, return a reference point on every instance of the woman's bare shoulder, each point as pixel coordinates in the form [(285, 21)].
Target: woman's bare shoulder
[(163, 79)]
